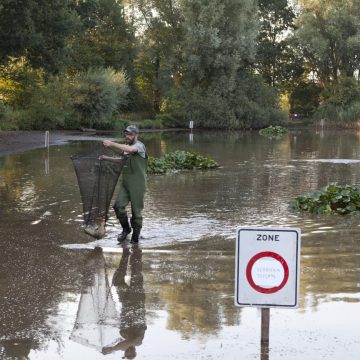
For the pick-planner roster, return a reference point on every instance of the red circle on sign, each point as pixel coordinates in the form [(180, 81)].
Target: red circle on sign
[(271, 255)]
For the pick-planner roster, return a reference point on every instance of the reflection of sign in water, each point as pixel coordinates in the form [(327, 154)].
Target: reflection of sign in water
[(267, 267), (267, 272)]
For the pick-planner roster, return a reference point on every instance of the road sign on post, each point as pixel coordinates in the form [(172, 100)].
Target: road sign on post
[(267, 267)]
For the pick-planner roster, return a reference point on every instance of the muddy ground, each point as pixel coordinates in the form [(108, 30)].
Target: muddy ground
[(20, 141)]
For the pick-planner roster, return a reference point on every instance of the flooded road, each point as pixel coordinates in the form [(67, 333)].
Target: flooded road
[(61, 297)]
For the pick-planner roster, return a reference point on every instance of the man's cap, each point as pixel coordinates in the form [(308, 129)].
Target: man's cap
[(132, 129)]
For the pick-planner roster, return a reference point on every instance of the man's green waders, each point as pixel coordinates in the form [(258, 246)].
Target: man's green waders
[(132, 189)]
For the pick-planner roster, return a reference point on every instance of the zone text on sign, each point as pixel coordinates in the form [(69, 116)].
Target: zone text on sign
[(267, 237)]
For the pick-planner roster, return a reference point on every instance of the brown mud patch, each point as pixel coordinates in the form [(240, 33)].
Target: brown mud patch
[(20, 141)]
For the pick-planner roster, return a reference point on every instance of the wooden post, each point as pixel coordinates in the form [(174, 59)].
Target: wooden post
[(265, 326)]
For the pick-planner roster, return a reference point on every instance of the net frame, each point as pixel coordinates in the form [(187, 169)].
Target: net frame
[(97, 179)]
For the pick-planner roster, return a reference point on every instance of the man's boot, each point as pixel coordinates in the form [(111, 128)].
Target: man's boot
[(124, 222), (136, 234)]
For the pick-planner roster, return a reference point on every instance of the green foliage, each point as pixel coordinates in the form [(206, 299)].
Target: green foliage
[(15, 119), (97, 93), (328, 38), (169, 121), (274, 132), (88, 99), (218, 88), (47, 106), (341, 103), (38, 30), (180, 160), (157, 64), (6, 118), (18, 81), (210, 61), (219, 40), (151, 124), (328, 34), (344, 92), (330, 200), (305, 98), (340, 115), (104, 38), (276, 58), (161, 121), (251, 104), (50, 106), (120, 124)]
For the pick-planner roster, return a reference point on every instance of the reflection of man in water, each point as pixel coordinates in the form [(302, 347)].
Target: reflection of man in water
[(132, 297), (97, 319)]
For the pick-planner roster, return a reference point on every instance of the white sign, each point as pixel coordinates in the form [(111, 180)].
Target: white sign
[(267, 267)]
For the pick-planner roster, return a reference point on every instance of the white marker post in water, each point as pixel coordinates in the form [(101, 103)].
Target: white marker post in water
[(267, 267)]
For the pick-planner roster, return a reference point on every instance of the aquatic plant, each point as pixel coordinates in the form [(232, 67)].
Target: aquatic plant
[(330, 200), (180, 160), (273, 132)]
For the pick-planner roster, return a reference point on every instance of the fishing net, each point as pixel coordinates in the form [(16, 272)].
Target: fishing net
[(97, 180), (97, 320)]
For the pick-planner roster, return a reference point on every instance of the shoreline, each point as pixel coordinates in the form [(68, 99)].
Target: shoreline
[(13, 142), (18, 141)]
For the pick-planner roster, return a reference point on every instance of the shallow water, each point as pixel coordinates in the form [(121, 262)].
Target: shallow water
[(57, 294)]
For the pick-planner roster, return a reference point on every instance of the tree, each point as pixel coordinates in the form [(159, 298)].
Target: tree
[(217, 86), (38, 30), (105, 38), (276, 58), (329, 35), (160, 33)]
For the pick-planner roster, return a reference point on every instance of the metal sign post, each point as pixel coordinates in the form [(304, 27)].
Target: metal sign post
[(267, 271), (265, 330)]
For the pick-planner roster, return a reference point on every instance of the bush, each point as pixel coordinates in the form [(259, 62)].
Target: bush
[(341, 103), (18, 81), (174, 110), (51, 107), (151, 124), (330, 200), (305, 98), (338, 114), (120, 124), (97, 94), (274, 132), (249, 104), (7, 118), (180, 160), (169, 121)]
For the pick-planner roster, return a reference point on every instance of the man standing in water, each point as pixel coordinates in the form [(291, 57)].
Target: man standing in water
[(133, 183)]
